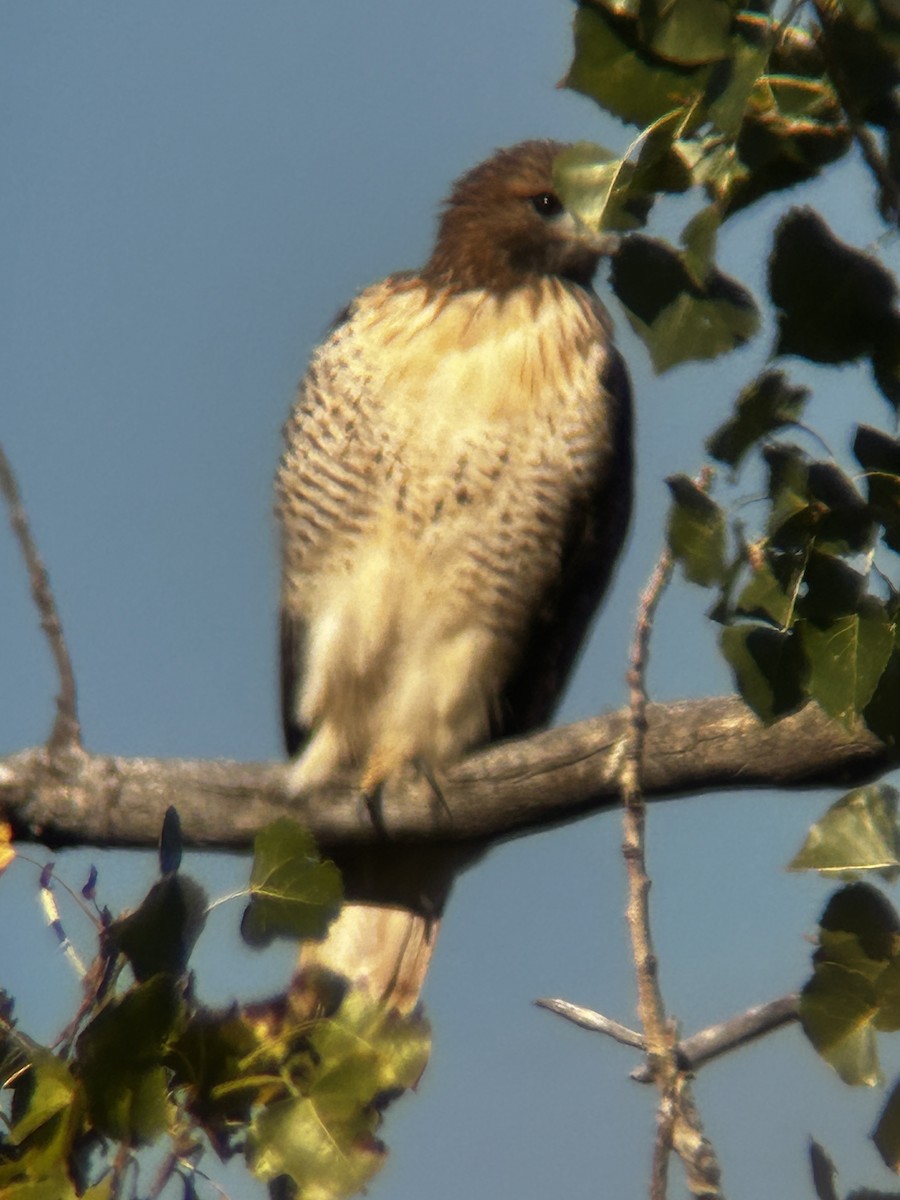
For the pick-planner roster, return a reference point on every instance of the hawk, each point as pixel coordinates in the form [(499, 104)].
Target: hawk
[(453, 493)]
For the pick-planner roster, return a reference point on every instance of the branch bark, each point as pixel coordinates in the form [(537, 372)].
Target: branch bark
[(508, 790)]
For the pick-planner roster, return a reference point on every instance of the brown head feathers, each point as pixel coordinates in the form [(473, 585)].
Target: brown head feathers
[(504, 226)]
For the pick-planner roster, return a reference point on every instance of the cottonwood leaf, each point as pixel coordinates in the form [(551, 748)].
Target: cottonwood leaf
[(767, 404), (846, 660), (696, 532), (859, 832), (768, 666), (676, 317), (293, 892)]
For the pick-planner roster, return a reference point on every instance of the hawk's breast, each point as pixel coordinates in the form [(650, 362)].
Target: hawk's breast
[(436, 452)]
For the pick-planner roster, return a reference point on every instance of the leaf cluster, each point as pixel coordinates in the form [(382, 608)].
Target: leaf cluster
[(297, 1085), (733, 105), (805, 602)]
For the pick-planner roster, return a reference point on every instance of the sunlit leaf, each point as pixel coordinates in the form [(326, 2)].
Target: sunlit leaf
[(770, 594), (690, 32), (329, 1152), (858, 833), (52, 1090), (836, 1011), (293, 892), (846, 660), (610, 67), (324, 1137), (609, 193)]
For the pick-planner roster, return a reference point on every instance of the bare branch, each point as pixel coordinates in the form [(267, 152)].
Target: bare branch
[(734, 1033), (658, 1032), (505, 791), (699, 1048), (65, 736), (679, 1127)]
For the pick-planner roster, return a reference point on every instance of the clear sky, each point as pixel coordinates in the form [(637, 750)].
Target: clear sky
[(189, 193)]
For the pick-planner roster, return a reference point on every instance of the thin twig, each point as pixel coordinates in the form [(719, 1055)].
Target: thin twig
[(659, 1036), (596, 1022), (66, 733)]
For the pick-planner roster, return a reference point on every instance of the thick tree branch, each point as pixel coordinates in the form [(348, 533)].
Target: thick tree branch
[(502, 792)]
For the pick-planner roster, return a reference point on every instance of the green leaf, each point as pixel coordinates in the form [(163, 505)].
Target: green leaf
[(858, 833), (867, 915), (699, 240), (293, 892), (845, 525), (769, 669), (328, 1152), (771, 593), (210, 1060), (677, 319), (696, 532), (790, 520), (690, 32), (846, 660), (863, 44), (791, 129), (887, 994), (609, 193), (859, 935), (768, 403), (367, 1049), (160, 936), (836, 304), (836, 1010), (611, 67), (52, 1090), (121, 1057), (324, 1139)]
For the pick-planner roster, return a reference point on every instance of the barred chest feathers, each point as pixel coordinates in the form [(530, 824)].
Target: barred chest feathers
[(436, 453)]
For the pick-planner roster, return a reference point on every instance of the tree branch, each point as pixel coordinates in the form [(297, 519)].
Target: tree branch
[(699, 1048), (502, 792), (65, 737)]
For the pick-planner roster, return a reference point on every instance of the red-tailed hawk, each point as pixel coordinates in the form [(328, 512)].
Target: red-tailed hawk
[(453, 494)]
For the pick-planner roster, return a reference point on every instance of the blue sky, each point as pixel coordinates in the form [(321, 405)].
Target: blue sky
[(189, 193)]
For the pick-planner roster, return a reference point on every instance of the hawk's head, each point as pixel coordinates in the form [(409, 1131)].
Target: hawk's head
[(504, 224)]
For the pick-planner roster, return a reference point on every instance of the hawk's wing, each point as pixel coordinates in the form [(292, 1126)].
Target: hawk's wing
[(594, 538)]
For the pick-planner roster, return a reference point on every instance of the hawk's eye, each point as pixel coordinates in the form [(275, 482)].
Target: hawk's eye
[(547, 204)]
